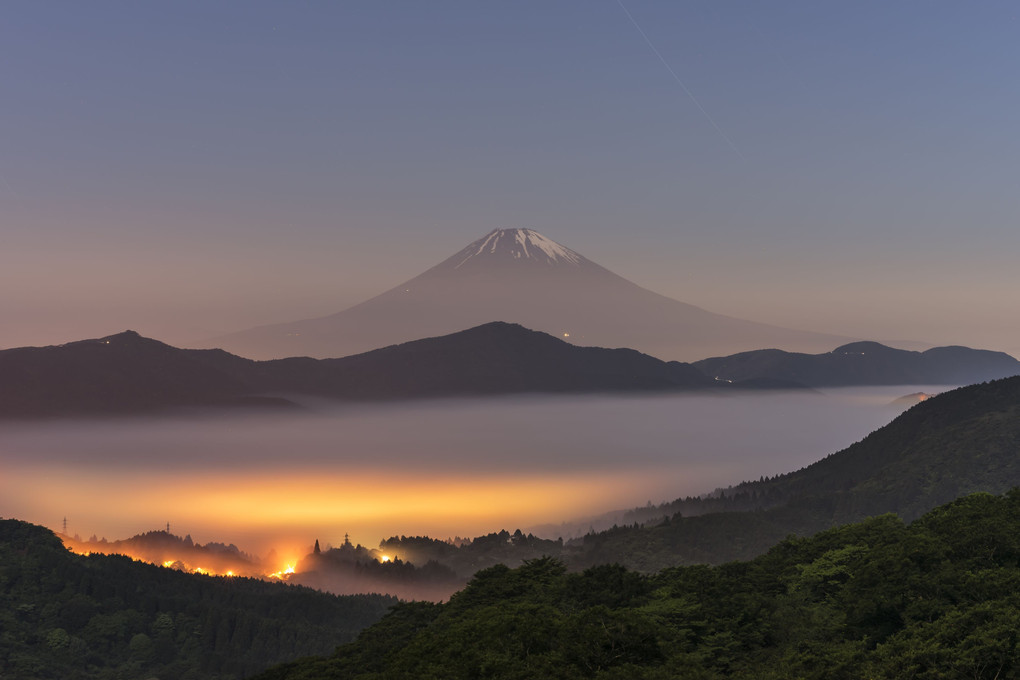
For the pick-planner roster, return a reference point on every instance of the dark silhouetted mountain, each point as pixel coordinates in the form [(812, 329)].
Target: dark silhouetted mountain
[(520, 276), (123, 373), (127, 373), (496, 358), (865, 363)]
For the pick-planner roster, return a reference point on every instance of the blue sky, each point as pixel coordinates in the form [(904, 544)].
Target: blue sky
[(187, 169)]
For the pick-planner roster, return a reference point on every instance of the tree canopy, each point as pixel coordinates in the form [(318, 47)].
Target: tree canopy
[(67, 616), (937, 598)]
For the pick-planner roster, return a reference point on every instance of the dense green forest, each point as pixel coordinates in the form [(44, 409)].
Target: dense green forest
[(67, 616), (939, 598)]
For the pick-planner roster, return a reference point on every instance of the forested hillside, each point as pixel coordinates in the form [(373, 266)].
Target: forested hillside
[(956, 443), (879, 599), (67, 616)]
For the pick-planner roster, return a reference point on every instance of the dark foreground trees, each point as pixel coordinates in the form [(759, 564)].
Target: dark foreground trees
[(938, 598), (104, 616)]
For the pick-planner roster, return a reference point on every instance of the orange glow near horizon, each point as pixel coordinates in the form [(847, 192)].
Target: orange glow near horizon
[(288, 512)]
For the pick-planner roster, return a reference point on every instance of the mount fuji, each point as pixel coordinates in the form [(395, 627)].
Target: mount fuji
[(521, 276)]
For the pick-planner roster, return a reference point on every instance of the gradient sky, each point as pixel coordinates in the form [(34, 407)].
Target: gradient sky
[(191, 168)]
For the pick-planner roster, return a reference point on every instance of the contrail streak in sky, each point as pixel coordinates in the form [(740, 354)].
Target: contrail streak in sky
[(678, 81), (9, 187)]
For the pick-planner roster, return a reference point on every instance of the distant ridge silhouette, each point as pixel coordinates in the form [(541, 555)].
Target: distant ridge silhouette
[(865, 363), (127, 373)]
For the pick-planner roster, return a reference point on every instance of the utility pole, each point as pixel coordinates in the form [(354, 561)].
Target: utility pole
[(65, 526)]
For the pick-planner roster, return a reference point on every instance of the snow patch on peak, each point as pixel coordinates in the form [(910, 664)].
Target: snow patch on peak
[(493, 238), (520, 244), (552, 249)]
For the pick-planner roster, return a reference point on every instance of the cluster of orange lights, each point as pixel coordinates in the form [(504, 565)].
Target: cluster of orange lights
[(280, 575), (174, 564), (283, 573), (181, 566)]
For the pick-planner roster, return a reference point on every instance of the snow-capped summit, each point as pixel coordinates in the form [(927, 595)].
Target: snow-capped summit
[(516, 244), (520, 276)]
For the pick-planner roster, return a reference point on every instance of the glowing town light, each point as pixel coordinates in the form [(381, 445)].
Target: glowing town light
[(282, 573)]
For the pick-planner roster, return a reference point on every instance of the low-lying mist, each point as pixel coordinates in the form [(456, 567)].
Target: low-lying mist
[(442, 468)]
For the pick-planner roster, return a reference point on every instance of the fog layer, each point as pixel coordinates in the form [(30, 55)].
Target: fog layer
[(441, 468)]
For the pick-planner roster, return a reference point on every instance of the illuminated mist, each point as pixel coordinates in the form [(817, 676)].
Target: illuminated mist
[(442, 468)]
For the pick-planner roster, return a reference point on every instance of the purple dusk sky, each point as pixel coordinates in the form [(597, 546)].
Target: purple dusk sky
[(188, 169)]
